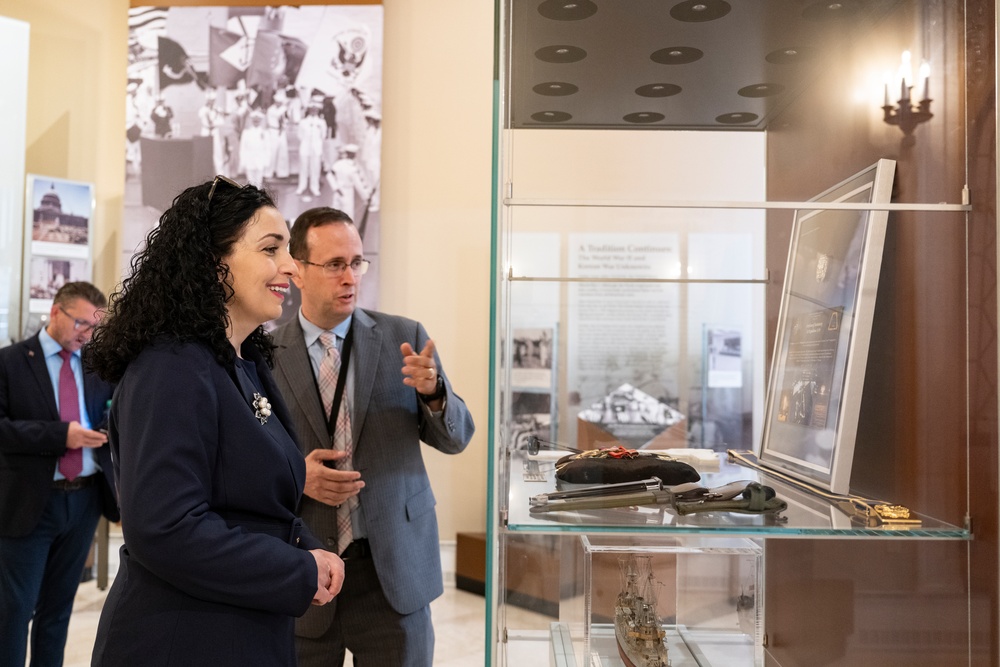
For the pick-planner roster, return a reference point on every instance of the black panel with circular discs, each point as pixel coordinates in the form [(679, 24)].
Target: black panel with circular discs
[(644, 117), (699, 11), (555, 88), (677, 55), (560, 54), (730, 65), (658, 90), (551, 116), (736, 118), (567, 10)]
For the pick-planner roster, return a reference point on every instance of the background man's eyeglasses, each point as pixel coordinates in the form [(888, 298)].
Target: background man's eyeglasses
[(83, 326), (222, 180), (337, 267)]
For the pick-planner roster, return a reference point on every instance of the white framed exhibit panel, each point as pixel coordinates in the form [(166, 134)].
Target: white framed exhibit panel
[(58, 248)]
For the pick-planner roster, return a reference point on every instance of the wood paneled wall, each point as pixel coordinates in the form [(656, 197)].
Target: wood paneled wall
[(928, 425)]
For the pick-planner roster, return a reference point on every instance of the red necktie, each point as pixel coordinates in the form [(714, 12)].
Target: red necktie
[(71, 462)]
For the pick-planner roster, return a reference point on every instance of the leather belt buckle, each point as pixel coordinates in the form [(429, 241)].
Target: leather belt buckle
[(74, 484), (357, 549)]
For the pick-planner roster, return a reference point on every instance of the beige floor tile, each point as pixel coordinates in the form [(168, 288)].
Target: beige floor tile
[(459, 622)]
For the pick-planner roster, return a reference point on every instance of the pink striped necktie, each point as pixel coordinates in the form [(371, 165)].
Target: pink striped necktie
[(329, 370), (71, 463)]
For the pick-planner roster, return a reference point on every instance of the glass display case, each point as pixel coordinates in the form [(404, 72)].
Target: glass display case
[(695, 597), (651, 162), (686, 600)]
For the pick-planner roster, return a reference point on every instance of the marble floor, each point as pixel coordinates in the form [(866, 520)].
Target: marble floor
[(459, 622)]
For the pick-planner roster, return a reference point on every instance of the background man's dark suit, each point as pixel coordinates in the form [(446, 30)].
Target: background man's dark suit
[(388, 425), (32, 439)]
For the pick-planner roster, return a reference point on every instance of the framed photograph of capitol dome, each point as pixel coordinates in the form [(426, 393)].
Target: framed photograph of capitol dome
[(58, 229)]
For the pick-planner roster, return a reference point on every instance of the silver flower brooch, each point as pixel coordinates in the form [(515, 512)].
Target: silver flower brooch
[(262, 408)]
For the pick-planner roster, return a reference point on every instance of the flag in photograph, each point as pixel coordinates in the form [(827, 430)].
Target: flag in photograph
[(144, 25), (228, 57), (276, 60), (268, 61), (174, 64), (295, 52), (337, 57), (147, 18)]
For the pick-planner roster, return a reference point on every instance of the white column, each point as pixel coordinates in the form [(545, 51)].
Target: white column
[(13, 117)]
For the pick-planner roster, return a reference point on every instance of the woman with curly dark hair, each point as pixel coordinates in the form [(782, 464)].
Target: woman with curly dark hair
[(215, 563)]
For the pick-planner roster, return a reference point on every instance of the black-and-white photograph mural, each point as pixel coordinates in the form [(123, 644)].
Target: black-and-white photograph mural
[(286, 98)]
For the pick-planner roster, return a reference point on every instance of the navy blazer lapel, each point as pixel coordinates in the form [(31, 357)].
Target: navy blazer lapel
[(35, 358), (296, 367), (280, 410), (364, 359), (273, 395)]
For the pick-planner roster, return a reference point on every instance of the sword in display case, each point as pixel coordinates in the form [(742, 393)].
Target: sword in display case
[(742, 496)]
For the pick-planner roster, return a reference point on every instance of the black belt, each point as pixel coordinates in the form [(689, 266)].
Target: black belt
[(357, 549), (74, 484)]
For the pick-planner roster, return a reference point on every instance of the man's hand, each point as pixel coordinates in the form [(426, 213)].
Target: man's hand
[(329, 486), (329, 576), (419, 370), (78, 437)]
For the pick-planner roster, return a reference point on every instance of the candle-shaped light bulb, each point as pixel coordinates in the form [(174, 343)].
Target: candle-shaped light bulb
[(925, 76), (905, 76), (885, 80)]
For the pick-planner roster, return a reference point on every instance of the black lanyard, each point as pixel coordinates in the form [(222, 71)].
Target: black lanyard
[(338, 393)]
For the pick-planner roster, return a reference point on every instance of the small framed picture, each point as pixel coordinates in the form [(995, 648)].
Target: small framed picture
[(59, 223), (59, 216)]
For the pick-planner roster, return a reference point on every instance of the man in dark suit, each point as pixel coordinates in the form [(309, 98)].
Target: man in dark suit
[(55, 476), (375, 507)]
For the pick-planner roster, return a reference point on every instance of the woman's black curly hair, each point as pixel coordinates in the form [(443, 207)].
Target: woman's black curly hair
[(180, 285)]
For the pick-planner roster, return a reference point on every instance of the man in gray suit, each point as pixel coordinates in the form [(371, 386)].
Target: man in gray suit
[(364, 388)]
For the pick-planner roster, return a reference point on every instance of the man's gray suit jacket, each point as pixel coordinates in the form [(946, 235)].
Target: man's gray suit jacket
[(388, 425)]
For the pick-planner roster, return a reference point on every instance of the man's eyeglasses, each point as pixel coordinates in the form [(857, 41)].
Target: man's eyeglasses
[(336, 268), (83, 326), (222, 180)]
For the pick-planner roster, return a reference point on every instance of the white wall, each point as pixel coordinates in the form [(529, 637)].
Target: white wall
[(436, 165)]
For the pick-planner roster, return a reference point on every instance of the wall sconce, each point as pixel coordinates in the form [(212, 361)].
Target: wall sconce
[(904, 113)]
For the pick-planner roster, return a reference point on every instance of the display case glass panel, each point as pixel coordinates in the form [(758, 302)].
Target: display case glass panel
[(699, 596), (644, 206)]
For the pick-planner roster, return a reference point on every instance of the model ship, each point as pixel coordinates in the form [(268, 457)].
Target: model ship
[(637, 626)]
